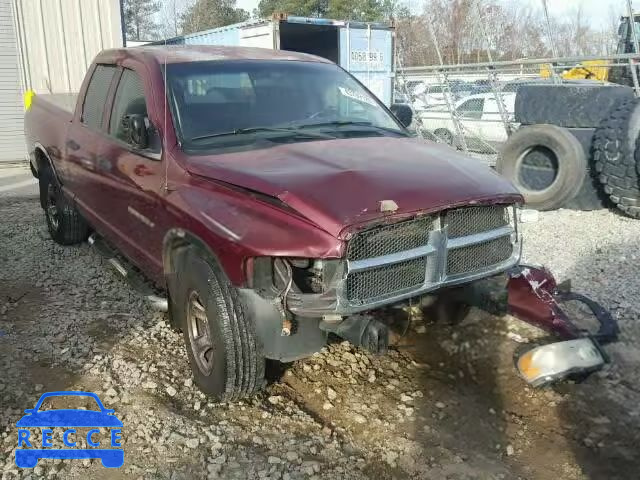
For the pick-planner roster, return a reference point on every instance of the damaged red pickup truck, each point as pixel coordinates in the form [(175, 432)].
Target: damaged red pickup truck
[(277, 201)]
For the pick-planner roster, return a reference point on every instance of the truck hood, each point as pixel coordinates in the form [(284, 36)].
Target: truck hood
[(340, 183)]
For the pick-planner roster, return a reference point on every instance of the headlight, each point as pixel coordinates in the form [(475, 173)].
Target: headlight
[(553, 362), (272, 274)]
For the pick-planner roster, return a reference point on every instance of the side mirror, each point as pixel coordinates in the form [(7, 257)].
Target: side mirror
[(136, 127), (403, 113)]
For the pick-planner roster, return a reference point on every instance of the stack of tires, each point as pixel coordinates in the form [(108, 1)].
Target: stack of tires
[(575, 148)]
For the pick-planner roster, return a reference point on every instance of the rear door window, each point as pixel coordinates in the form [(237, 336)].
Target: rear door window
[(96, 96), (472, 108)]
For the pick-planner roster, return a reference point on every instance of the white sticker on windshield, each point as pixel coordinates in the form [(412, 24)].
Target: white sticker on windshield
[(356, 96)]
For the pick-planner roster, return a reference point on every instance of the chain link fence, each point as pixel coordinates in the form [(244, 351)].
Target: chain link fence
[(472, 107)]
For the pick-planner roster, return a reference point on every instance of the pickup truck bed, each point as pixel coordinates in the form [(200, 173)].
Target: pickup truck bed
[(64, 101)]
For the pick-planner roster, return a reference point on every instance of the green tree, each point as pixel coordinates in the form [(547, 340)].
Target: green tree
[(207, 14), (358, 10), (301, 8), (139, 19), (361, 10)]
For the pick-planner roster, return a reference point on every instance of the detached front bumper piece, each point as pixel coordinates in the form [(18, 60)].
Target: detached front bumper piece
[(535, 297)]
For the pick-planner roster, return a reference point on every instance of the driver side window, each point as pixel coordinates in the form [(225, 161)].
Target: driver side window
[(129, 100)]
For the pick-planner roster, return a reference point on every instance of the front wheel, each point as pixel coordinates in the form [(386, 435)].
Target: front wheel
[(225, 356), (65, 224)]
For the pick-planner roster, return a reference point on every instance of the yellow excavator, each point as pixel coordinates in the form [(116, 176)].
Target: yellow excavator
[(599, 69)]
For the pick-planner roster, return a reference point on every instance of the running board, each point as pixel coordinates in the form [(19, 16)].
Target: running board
[(135, 280)]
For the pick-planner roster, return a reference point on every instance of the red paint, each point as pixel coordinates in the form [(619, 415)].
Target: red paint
[(340, 183), (532, 299), (298, 200)]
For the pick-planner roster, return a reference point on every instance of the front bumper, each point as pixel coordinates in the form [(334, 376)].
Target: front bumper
[(533, 296)]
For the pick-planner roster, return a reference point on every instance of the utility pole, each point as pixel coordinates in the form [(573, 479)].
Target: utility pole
[(554, 50)]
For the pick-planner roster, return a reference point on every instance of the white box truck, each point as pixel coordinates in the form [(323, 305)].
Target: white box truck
[(366, 50)]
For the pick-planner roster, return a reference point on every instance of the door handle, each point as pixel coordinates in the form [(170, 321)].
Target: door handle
[(73, 145)]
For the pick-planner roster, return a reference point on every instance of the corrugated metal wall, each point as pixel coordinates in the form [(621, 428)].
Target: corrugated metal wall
[(59, 38), (229, 35), (11, 136), (47, 45)]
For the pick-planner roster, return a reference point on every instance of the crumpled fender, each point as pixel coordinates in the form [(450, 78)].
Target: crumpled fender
[(535, 297)]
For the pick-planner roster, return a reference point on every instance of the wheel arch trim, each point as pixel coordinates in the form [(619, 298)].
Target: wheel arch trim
[(177, 236), (39, 148)]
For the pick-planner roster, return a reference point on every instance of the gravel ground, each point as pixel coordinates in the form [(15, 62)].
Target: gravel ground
[(444, 404)]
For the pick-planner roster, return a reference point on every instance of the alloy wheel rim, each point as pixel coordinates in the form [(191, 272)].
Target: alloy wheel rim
[(199, 333), (52, 207)]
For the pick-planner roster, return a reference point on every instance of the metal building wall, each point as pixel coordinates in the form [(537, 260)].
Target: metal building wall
[(59, 38), (11, 136), (47, 45)]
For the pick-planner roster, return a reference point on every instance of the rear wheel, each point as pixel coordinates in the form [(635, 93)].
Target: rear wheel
[(225, 356), (65, 224), (444, 135)]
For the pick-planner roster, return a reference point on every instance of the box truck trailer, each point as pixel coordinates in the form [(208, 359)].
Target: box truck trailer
[(366, 50)]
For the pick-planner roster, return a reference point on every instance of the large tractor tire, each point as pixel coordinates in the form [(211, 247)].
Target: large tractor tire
[(568, 105), (615, 145), (591, 196), (621, 75), (546, 163)]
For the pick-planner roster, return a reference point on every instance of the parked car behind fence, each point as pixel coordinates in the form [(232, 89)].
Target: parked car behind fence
[(480, 119)]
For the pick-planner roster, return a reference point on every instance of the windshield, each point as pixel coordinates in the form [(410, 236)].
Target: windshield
[(218, 102)]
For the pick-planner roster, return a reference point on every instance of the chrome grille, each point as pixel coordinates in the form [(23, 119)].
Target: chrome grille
[(478, 257), (407, 257), (388, 279), (388, 239), (471, 220)]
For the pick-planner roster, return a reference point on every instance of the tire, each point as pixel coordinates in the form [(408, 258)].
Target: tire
[(576, 106), (621, 75), (232, 365), (615, 149), (65, 224), (444, 135), (534, 151), (591, 196), (43, 184)]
